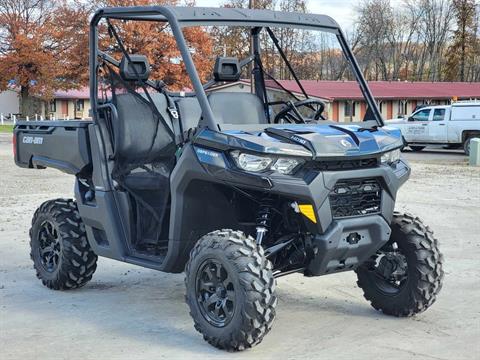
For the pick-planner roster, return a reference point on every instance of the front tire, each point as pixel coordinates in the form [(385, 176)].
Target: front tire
[(406, 275), (60, 252), (416, 148), (230, 290)]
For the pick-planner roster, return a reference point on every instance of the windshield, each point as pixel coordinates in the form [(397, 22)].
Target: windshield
[(301, 75), (296, 64)]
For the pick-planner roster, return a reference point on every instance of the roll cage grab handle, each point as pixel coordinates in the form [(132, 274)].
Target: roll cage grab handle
[(208, 118)]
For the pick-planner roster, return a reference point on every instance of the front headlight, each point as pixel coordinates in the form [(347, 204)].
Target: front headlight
[(259, 163), (285, 165), (250, 162), (391, 157)]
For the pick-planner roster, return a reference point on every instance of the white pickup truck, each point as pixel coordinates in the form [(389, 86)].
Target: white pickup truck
[(451, 125)]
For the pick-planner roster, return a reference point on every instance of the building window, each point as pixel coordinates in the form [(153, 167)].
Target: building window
[(380, 106), (80, 105), (349, 109), (53, 106)]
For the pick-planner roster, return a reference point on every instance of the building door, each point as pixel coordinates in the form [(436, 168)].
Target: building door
[(64, 108)]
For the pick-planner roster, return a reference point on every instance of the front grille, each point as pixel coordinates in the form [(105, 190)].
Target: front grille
[(335, 165), (355, 197)]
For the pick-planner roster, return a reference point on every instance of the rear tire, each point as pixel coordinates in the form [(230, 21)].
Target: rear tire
[(230, 290), (417, 289), (61, 254), (416, 148)]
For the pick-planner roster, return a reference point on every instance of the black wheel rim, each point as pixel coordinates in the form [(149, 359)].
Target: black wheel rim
[(49, 246), (390, 269), (215, 293)]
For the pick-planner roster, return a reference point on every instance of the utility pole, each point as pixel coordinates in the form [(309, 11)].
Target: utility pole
[(251, 5)]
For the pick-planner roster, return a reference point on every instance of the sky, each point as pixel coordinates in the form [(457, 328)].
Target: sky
[(343, 11)]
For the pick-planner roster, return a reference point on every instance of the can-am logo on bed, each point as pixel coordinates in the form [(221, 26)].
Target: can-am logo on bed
[(36, 140)]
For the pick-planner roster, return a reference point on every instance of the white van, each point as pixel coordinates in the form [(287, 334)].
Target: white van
[(452, 125)]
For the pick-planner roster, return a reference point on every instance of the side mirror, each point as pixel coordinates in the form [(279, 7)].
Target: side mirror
[(410, 118)]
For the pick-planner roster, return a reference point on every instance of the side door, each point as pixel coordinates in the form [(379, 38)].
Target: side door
[(416, 129), (438, 126)]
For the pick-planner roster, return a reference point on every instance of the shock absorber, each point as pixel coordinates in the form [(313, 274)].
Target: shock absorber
[(264, 218)]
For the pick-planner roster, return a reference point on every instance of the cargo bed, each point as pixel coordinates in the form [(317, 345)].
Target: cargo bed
[(63, 145)]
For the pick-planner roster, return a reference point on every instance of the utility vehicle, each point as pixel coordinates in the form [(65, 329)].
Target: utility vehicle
[(235, 188), (450, 125)]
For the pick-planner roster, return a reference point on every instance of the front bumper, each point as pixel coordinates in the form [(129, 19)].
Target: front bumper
[(347, 244), (342, 244)]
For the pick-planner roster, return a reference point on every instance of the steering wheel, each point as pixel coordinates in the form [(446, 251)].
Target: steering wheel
[(290, 113)]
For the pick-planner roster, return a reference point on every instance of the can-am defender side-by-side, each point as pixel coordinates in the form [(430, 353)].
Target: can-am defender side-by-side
[(234, 188)]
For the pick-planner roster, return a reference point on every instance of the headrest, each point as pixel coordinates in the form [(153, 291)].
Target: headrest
[(227, 69), (139, 63)]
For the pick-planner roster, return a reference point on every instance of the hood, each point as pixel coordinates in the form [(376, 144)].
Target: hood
[(325, 140)]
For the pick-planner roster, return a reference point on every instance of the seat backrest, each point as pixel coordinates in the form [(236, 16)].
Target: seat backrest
[(161, 103), (190, 112), (237, 108), (137, 134)]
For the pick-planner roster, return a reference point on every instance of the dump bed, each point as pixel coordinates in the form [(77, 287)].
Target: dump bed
[(63, 145)]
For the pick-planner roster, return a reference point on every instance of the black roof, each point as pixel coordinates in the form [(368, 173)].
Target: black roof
[(196, 16)]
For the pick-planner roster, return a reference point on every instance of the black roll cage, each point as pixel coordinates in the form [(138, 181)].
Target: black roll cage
[(179, 17)]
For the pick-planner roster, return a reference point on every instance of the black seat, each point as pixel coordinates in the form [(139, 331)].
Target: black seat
[(136, 127), (190, 112), (140, 137), (228, 108), (234, 107), (237, 108)]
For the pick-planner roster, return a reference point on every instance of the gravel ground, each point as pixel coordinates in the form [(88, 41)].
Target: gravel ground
[(127, 312)]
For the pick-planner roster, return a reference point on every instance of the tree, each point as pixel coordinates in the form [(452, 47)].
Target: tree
[(44, 47), (464, 42), (433, 31), (155, 40), (37, 38), (70, 27), (294, 42), (406, 42), (375, 24)]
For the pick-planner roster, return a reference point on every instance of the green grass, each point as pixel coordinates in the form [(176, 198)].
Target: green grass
[(6, 128)]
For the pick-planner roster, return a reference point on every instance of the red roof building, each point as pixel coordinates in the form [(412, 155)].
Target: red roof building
[(70, 104), (385, 90), (82, 93), (345, 101), (395, 98)]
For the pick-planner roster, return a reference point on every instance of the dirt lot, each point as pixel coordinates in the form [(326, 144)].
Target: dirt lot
[(128, 312)]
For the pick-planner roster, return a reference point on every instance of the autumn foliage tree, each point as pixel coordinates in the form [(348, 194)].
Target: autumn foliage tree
[(465, 47), (42, 46), (155, 40)]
